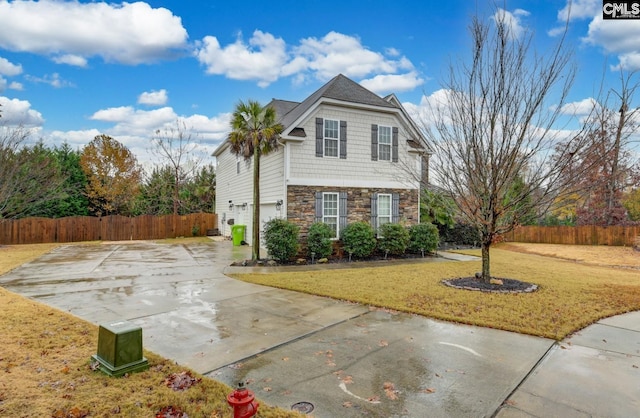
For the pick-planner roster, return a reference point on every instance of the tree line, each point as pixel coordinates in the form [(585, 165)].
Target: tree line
[(102, 178)]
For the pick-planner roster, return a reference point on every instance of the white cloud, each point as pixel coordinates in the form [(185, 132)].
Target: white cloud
[(619, 39), (579, 9), (70, 31), (153, 98), (391, 83), (580, 108), (511, 21), (134, 122), (54, 80), (337, 53), (261, 59), (134, 128), (425, 112), (130, 121), (19, 113), (8, 68), (71, 59), (266, 58), (75, 139)]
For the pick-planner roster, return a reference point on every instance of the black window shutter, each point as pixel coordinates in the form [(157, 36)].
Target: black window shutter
[(319, 137), (395, 208), (394, 147), (343, 139), (342, 221), (318, 206), (374, 142), (374, 211)]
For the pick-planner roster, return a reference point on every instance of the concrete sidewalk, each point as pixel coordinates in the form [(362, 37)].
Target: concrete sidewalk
[(344, 359)]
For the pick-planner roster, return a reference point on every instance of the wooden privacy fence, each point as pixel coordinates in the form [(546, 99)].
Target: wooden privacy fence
[(105, 228), (576, 235)]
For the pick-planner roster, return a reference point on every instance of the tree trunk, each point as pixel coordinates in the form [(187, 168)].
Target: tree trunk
[(486, 270), (255, 233), (175, 192), (613, 185)]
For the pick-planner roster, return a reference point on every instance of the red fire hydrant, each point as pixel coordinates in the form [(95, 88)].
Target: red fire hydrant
[(242, 400)]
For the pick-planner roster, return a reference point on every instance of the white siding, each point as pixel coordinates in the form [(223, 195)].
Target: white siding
[(357, 170), (232, 186), (239, 189)]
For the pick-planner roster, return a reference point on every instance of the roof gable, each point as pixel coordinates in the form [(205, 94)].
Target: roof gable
[(338, 88)]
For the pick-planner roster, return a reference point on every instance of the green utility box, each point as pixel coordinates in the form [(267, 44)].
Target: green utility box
[(237, 234), (120, 349)]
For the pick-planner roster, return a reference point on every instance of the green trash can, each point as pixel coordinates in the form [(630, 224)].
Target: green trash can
[(237, 234)]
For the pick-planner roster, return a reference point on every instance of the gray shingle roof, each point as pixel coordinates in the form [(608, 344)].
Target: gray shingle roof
[(338, 88)]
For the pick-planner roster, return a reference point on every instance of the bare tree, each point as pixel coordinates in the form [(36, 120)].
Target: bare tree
[(626, 124), (606, 163), (496, 127), (178, 147)]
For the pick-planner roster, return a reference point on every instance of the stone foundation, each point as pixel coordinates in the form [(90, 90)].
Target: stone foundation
[(301, 205)]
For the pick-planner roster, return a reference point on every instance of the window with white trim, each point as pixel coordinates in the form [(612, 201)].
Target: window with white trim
[(384, 143), (331, 137), (384, 209), (330, 210)]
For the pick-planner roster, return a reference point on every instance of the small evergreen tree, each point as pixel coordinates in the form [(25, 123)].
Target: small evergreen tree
[(423, 238), (319, 240), (359, 239), (281, 239), (393, 239)]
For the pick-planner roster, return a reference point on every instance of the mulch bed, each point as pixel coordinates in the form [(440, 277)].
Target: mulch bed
[(507, 286)]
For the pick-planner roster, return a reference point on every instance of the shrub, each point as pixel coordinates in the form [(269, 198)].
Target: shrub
[(359, 239), (281, 239), (423, 237), (319, 240), (393, 239)]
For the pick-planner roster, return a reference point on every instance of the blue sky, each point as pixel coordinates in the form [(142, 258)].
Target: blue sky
[(74, 69)]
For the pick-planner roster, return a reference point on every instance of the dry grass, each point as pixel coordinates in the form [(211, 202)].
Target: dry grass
[(45, 366), (624, 257), (571, 296), (12, 256)]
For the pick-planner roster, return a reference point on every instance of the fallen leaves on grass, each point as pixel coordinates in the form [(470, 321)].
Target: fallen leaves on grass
[(171, 412), (74, 412), (181, 381)]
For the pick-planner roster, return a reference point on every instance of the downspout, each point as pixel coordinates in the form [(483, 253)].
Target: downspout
[(285, 180)]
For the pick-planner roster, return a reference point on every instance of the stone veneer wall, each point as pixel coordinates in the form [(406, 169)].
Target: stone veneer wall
[(301, 204)]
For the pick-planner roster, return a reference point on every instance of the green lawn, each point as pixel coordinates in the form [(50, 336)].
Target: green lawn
[(570, 295)]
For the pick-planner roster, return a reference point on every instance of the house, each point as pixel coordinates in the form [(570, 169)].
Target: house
[(347, 155)]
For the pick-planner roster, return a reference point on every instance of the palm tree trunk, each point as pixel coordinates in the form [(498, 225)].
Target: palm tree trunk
[(255, 233)]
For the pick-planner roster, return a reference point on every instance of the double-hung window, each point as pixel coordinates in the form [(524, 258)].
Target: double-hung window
[(331, 137), (330, 210), (384, 143), (384, 209)]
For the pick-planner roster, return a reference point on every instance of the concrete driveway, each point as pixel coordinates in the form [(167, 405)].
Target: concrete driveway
[(341, 359)]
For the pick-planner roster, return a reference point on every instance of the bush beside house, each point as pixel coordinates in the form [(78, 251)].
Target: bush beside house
[(358, 240)]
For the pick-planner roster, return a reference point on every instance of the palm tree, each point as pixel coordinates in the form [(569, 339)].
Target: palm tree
[(254, 132)]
